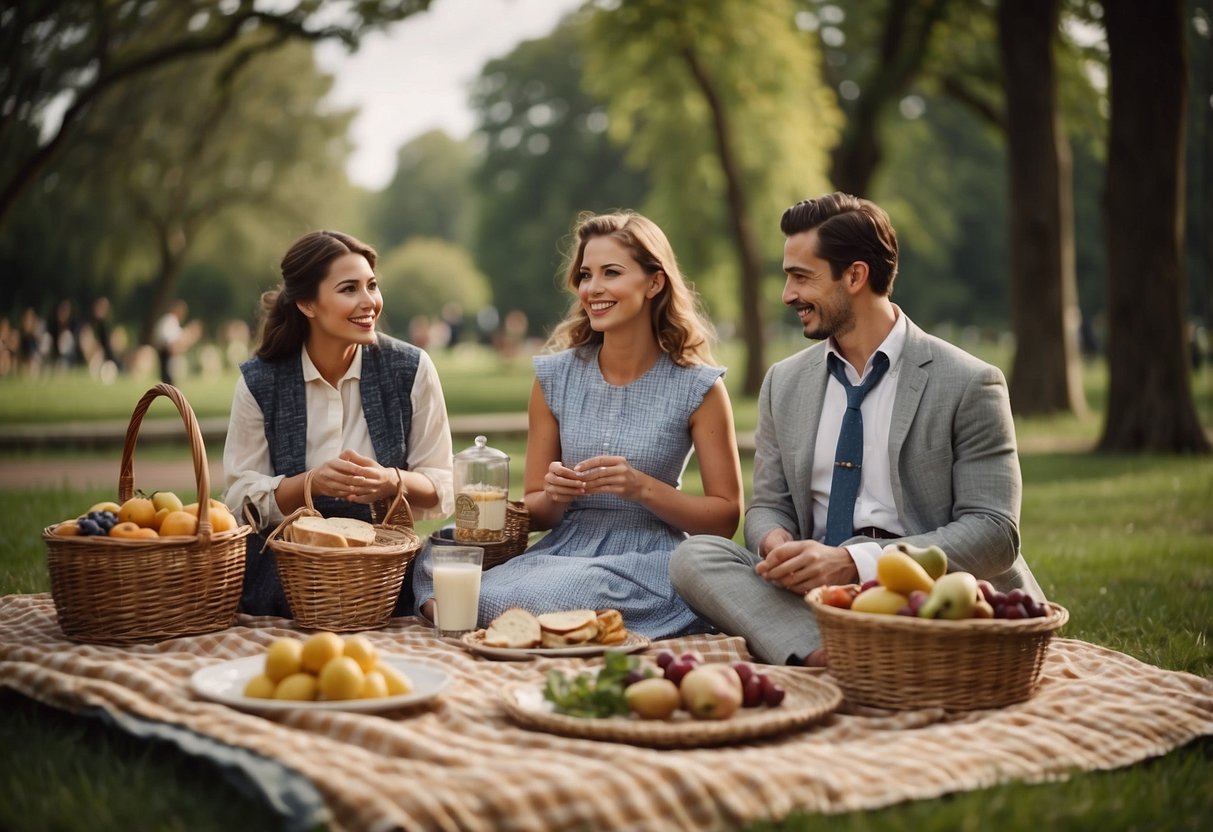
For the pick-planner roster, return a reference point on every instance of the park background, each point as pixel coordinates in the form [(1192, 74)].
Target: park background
[(1046, 164)]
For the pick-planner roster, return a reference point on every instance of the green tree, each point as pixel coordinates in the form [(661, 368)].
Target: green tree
[(715, 102), (423, 276), (546, 158), (429, 195), (68, 55)]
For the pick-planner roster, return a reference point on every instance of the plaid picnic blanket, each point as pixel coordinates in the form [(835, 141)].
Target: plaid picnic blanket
[(458, 762)]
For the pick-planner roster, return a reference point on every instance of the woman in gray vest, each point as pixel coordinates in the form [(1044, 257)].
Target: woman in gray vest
[(326, 393)]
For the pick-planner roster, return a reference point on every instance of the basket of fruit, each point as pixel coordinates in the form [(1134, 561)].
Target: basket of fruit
[(340, 573), (147, 568), (919, 636)]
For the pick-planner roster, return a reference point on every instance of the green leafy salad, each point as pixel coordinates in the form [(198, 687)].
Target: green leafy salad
[(594, 695)]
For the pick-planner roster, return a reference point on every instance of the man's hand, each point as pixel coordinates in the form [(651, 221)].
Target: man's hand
[(801, 565)]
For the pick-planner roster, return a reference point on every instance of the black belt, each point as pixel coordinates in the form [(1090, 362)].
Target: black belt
[(872, 531)]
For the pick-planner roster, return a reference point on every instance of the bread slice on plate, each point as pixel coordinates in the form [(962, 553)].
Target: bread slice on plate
[(515, 628), (582, 635), (567, 621), (331, 532)]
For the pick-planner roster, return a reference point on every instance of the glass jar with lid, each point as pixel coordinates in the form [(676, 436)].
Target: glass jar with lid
[(482, 487)]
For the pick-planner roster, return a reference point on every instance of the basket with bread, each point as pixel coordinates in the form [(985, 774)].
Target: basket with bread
[(519, 629), (341, 573)]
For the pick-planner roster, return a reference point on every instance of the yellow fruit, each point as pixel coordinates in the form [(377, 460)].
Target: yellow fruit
[(320, 649), (167, 499), (222, 520), (129, 531), (375, 686), (360, 649), (879, 600), (192, 508), (284, 657), (397, 683), (341, 678), (899, 572), (298, 687), (67, 528), (108, 505), (158, 520), (137, 510), (260, 687), (179, 523)]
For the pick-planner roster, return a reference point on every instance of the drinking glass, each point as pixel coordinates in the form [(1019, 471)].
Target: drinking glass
[(457, 572)]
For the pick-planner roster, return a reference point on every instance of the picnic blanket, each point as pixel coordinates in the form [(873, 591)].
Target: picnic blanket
[(458, 762)]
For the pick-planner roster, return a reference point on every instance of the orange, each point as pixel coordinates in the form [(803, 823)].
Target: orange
[(67, 528), (159, 518), (192, 508), (179, 523), (222, 520), (125, 530), (137, 510)]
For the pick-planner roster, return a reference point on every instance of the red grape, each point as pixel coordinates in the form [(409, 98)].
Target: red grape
[(664, 658), (744, 670), (677, 669), (751, 693), (772, 694)]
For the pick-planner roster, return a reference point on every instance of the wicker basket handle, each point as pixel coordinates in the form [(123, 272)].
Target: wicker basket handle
[(202, 473), (399, 505)]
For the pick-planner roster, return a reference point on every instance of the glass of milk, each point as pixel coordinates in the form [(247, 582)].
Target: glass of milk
[(456, 588)]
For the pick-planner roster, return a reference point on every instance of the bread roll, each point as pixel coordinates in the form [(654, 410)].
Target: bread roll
[(515, 628)]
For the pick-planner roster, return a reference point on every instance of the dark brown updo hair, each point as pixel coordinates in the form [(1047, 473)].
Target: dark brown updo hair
[(283, 327)]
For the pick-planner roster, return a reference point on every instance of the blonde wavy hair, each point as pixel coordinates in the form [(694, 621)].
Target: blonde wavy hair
[(681, 327)]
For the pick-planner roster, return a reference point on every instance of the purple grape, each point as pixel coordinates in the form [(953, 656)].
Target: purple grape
[(664, 658), (692, 658), (772, 694), (1016, 596), (1014, 612), (907, 612), (868, 584), (751, 693), (987, 591), (744, 670), (634, 676), (677, 669), (88, 527), (917, 599)]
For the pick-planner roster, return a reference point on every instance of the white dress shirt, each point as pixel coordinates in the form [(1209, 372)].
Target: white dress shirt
[(335, 422), (874, 505)]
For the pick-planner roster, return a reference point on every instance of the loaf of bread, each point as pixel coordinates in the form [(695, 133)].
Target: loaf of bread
[(332, 532), (515, 628)]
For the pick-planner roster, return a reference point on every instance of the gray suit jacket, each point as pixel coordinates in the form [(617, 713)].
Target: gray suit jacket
[(952, 453)]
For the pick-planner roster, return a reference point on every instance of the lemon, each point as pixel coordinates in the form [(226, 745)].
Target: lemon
[(374, 687), (299, 687), (397, 683), (360, 649), (341, 678), (260, 687), (284, 657), (320, 649)]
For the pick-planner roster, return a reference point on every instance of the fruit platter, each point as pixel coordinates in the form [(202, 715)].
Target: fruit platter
[(677, 702), (918, 636)]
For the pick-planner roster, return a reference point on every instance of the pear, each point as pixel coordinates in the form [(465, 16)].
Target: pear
[(931, 558), (953, 597), (879, 600)]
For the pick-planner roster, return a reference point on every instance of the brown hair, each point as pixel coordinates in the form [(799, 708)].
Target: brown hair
[(679, 324), (306, 263), (849, 229)]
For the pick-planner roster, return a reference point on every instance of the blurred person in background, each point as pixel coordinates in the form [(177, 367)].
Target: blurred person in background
[(326, 393), (172, 337)]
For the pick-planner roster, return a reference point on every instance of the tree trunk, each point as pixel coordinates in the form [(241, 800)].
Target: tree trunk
[(743, 232), (1046, 376), (173, 245), (1150, 405)]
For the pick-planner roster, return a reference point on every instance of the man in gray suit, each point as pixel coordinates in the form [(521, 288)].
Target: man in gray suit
[(937, 463)]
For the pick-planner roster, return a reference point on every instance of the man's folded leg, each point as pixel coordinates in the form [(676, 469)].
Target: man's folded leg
[(716, 578)]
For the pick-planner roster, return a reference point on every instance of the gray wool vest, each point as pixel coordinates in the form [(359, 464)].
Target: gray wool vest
[(389, 368)]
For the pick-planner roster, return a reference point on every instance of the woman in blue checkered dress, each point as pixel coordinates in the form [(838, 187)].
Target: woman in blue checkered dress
[(614, 416)]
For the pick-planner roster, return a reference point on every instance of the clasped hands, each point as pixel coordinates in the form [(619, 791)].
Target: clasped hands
[(801, 565), (596, 475), (356, 478)]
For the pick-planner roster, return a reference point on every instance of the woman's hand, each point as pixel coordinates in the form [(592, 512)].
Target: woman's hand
[(356, 478), (612, 475), (561, 484)]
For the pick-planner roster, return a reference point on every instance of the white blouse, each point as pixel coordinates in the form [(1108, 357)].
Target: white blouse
[(335, 423)]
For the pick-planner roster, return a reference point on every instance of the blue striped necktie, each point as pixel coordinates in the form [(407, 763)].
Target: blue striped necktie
[(848, 456)]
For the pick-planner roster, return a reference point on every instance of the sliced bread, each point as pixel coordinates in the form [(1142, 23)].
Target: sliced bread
[(356, 532), (515, 628), (331, 532), (581, 635), (567, 621)]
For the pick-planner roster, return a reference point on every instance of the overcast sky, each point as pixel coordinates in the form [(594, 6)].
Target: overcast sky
[(416, 76)]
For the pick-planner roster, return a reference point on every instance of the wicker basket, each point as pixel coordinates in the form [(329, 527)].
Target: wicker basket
[(893, 661), (517, 533), (354, 588), (113, 591)]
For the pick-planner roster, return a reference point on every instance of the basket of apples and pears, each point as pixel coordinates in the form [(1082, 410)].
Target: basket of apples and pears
[(146, 567), (918, 636)]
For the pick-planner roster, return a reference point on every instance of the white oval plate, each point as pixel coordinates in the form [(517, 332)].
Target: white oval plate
[(225, 683), (474, 642)]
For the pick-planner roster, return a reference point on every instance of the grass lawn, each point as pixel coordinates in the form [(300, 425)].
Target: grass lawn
[(1125, 543)]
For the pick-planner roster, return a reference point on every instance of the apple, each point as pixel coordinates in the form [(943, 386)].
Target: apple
[(712, 691)]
